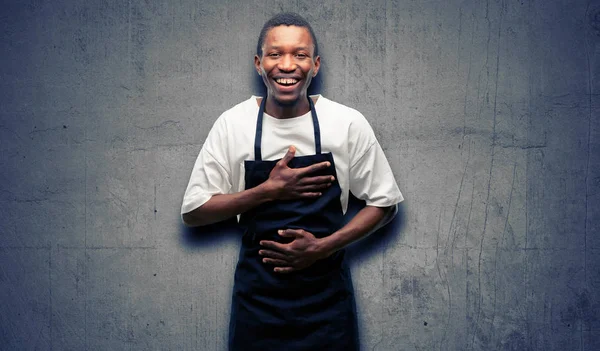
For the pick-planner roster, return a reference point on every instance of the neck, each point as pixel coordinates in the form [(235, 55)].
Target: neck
[(277, 110)]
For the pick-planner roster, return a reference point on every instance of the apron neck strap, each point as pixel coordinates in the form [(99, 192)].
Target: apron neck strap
[(259, 122)]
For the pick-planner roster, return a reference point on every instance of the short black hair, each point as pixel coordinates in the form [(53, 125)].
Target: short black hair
[(285, 19)]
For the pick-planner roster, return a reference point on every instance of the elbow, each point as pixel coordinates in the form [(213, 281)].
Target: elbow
[(192, 221), (389, 214), (198, 218), (392, 211)]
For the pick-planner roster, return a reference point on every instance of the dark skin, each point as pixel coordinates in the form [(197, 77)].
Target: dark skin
[(306, 249), (284, 183), (287, 66), (287, 53)]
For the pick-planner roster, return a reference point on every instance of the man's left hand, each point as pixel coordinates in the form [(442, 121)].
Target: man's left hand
[(303, 251)]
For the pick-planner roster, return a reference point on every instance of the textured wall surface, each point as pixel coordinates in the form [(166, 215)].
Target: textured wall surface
[(487, 110)]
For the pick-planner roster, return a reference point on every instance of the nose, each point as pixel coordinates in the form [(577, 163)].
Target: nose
[(287, 63)]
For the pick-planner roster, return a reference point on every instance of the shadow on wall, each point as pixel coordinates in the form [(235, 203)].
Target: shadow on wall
[(377, 241), (220, 233), (211, 235)]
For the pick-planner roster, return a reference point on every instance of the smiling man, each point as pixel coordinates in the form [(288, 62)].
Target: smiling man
[(285, 165)]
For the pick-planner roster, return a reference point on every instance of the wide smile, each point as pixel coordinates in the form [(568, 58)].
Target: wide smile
[(286, 83)]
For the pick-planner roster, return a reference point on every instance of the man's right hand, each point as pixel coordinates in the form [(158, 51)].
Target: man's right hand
[(284, 183), (287, 183)]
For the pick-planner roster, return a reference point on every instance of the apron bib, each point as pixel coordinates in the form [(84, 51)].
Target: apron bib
[(310, 309)]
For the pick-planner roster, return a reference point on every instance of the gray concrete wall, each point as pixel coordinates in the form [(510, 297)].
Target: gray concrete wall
[(487, 111)]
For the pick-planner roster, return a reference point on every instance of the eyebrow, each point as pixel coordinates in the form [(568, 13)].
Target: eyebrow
[(303, 48)]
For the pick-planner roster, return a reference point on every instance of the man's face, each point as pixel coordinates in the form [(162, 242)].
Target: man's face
[(287, 64)]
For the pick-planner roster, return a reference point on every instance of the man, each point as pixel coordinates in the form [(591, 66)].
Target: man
[(285, 164)]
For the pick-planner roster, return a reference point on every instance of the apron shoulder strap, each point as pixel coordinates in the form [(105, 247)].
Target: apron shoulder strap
[(259, 123), (317, 129)]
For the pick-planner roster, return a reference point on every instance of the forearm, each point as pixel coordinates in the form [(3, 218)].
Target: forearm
[(223, 206), (365, 222)]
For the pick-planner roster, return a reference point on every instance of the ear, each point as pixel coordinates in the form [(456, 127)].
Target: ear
[(257, 64), (317, 65)]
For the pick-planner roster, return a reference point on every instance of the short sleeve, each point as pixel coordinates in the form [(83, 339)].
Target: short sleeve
[(371, 178), (211, 174)]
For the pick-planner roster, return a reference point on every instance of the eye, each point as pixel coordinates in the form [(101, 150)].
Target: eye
[(274, 54), (301, 56)]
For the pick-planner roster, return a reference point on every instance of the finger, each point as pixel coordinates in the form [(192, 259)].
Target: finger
[(283, 270), (316, 180), (272, 254), (313, 188), (309, 195), (288, 156), (291, 233), (314, 168), (275, 262), (273, 245)]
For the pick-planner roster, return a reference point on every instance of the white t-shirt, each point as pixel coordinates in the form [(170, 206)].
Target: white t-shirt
[(360, 163)]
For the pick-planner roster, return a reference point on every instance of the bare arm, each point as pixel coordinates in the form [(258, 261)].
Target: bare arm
[(305, 249), (221, 207), (366, 221), (283, 183)]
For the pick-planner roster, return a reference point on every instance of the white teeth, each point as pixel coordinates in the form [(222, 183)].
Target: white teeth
[(287, 81)]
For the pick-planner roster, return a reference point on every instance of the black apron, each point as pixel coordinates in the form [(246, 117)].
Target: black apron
[(310, 309)]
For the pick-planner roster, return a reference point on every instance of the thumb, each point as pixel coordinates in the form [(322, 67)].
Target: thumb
[(290, 233), (289, 155)]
